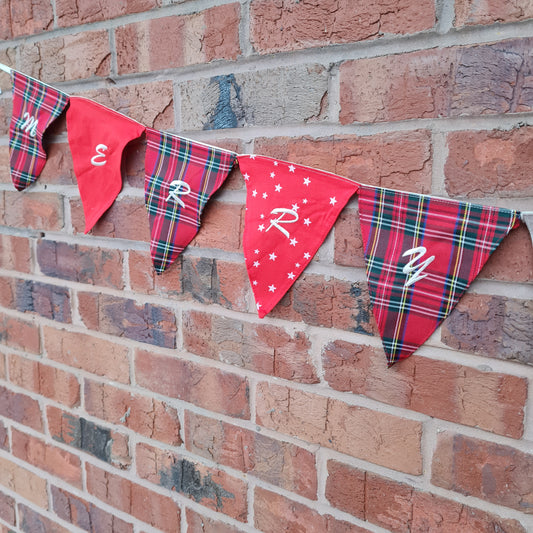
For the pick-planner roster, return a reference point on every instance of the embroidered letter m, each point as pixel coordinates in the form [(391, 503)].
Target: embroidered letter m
[(414, 270)]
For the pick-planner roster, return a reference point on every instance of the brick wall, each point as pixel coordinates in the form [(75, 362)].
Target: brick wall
[(131, 402)]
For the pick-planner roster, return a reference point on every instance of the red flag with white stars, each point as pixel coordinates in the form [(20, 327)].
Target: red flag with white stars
[(290, 209)]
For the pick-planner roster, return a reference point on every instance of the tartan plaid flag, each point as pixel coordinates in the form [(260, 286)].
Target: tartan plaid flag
[(290, 209), (97, 137), (35, 106), (181, 176), (421, 255)]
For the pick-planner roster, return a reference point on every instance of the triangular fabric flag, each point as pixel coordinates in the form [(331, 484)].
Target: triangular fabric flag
[(421, 255), (97, 137), (528, 219), (181, 176), (35, 106), (290, 209)]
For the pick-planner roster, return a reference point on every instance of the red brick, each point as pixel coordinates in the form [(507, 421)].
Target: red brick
[(4, 437), (143, 414), (490, 400), (20, 408), (7, 509), (72, 57), (197, 523), (493, 163), (50, 382), (259, 347), (149, 323), (88, 353), (283, 26), (210, 487), (396, 160), (471, 80), (222, 226), (274, 513), (86, 515), (348, 240), (282, 464), (23, 482), (7, 297), (109, 446), (144, 279), (492, 326), (469, 12), (16, 254), (177, 41), (486, 470), (84, 264), (330, 303), (513, 259), (125, 219), (19, 334), (215, 281), (58, 169), (32, 521), (25, 17), (35, 210), (133, 163), (52, 459), (357, 431), (397, 507), (49, 301), (152, 104), (5, 176), (148, 506), (70, 13), (210, 388)]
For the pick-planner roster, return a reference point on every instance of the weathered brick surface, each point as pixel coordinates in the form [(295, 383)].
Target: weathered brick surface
[(30, 521), (19, 334), (86, 515), (492, 326), (20, 408), (16, 254), (356, 431), (99, 441), (84, 264), (25, 17), (286, 25), (49, 301), (147, 323), (279, 463), (262, 348), (486, 399), (197, 522), (210, 388), (368, 496), (34, 210), (469, 12), (4, 437), (87, 353), (7, 509), (473, 80), (210, 487), (150, 507), (143, 414), (179, 40), (268, 98), (23, 482), (493, 472), (489, 163), (58, 462)]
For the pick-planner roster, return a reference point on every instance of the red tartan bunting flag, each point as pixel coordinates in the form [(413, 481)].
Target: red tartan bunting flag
[(181, 176), (421, 255), (290, 209), (35, 106), (97, 137)]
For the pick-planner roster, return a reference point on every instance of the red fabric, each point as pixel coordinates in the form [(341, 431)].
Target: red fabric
[(284, 192), (97, 137)]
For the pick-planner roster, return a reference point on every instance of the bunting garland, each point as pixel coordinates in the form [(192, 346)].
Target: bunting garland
[(421, 252), (181, 176), (35, 106), (97, 137), (290, 209), (421, 255)]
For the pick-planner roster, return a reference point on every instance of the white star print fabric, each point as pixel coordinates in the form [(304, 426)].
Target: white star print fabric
[(290, 209)]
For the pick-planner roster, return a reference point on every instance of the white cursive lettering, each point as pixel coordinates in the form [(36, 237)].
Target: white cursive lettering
[(181, 188), (30, 124), (275, 222), (99, 160), (411, 267)]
